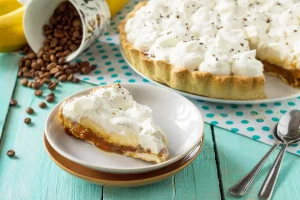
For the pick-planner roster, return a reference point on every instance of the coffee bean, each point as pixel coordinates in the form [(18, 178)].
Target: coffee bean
[(76, 80), (13, 102), (52, 86), (76, 22), (31, 55), (50, 99), (62, 78), (59, 34), (35, 86), (29, 110), (38, 92), (93, 67), (48, 32), (85, 70), (76, 34), (35, 66), (70, 77), (63, 41), (46, 80), (29, 84), (58, 74), (46, 75), (42, 105), (27, 75), (41, 62), (40, 54), (73, 47), (54, 70), (59, 48), (46, 58), (47, 47), (27, 120), (10, 153), (78, 42), (66, 66), (41, 82), (84, 64), (24, 81), (51, 94), (51, 66), (53, 43), (59, 54), (67, 52), (52, 58), (61, 60), (68, 72), (27, 63), (60, 67)]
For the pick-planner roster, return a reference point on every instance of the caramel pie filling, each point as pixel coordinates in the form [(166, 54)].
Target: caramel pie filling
[(291, 77), (78, 131)]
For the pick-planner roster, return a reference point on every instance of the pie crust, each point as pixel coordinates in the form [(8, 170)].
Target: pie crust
[(195, 82)]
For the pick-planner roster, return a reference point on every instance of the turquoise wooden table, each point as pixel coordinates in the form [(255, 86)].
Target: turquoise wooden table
[(32, 175)]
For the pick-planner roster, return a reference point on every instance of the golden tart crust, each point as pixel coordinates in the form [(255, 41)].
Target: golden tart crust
[(195, 82)]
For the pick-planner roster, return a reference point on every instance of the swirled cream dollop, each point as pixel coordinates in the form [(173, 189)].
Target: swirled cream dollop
[(245, 64), (160, 28), (218, 63), (115, 110)]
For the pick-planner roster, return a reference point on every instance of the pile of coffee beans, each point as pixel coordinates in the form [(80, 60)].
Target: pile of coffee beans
[(63, 35)]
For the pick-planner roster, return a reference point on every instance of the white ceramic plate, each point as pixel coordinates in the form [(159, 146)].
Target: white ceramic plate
[(176, 115), (276, 90)]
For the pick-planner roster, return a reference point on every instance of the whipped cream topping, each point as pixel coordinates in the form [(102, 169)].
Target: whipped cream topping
[(115, 110), (187, 33)]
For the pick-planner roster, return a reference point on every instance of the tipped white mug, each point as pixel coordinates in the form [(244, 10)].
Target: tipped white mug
[(94, 15)]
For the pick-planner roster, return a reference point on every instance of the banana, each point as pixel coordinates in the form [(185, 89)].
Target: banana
[(115, 6), (7, 6), (11, 31)]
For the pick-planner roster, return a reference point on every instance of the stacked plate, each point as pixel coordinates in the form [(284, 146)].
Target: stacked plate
[(176, 115)]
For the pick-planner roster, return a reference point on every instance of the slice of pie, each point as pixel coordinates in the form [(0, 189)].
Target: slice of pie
[(109, 118), (213, 48)]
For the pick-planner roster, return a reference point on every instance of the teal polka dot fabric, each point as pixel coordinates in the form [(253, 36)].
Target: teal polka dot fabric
[(254, 121)]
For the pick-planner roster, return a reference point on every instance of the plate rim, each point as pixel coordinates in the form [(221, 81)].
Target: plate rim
[(125, 183), (153, 167), (208, 99)]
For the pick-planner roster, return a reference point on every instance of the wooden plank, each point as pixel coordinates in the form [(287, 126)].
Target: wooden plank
[(200, 179), (161, 190), (32, 174), (8, 71), (238, 155)]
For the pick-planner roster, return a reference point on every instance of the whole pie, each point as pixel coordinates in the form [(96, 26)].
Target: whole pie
[(215, 48), (109, 118)]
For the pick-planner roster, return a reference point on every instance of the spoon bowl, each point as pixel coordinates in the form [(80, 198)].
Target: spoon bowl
[(288, 127)]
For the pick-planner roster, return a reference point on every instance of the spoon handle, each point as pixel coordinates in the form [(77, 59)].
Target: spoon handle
[(268, 186), (242, 186)]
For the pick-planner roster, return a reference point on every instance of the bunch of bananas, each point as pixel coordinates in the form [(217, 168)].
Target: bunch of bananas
[(11, 28)]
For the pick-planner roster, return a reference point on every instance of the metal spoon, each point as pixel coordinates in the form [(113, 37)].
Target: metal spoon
[(288, 132), (243, 185)]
